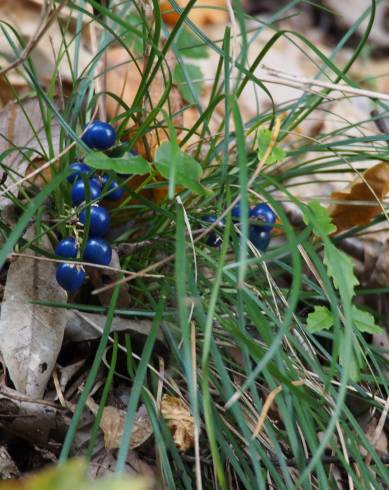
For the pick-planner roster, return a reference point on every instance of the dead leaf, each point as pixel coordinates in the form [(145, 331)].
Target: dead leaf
[(202, 13), (102, 277), (179, 421), (8, 468), (350, 12), (22, 129), (25, 17), (36, 421), (81, 327), (31, 335), (123, 80), (375, 184), (112, 425)]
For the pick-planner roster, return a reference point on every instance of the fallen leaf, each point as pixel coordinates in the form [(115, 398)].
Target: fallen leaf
[(179, 421), (112, 424), (375, 185), (37, 422), (101, 277), (352, 13), (81, 327), (202, 13), (31, 335), (23, 137), (8, 468)]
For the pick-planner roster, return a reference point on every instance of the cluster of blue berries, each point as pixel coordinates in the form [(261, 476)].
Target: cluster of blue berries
[(262, 222), (86, 188)]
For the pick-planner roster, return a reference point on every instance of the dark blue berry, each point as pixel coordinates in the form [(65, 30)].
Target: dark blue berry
[(264, 213), (235, 211), (213, 240), (99, 220), (70, 276), (67, 248), (115, 191), (97, 251), (78, 192), (259, 238), (99, 135), (79, 168)]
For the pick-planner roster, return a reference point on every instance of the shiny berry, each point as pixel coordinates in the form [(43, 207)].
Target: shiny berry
[(115, 191), (235, 211), (99, 220), (264, 213), (99, 135), (79, 168), (97, 251), (67, 248), (70, 276), (78, 192), (213, 240), (259, 238)]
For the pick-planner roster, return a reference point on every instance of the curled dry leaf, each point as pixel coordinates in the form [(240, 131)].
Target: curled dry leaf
[(101, 277), (179, 421), (203, 12), (112, 425), (31, 335), (375, 185)]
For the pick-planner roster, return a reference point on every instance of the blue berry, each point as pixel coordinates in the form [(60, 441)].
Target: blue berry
[(99, 135), (70, 276), (115, 191), (213, 240), (67, 248), (79, 168), (265, 214), (235, 211), (78, 192), (97, 251), (99, 220), (259, 238)]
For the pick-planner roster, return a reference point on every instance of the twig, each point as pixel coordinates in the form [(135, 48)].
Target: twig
[(86, 264), (300, 82)]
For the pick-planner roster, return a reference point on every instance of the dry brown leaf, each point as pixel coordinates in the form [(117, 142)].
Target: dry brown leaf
[(375, 185), (31, 335), (179, 421), (25, 17), (123, 80), (101, 277), (203, 12), (112, 425)]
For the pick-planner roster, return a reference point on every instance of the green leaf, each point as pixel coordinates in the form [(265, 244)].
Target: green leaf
[(194, 74), (341, 268), (318, 216), (320, 319), (72, 475), (364, 321), (171, 162), (190, 45), (264, 137), (131, 164)]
